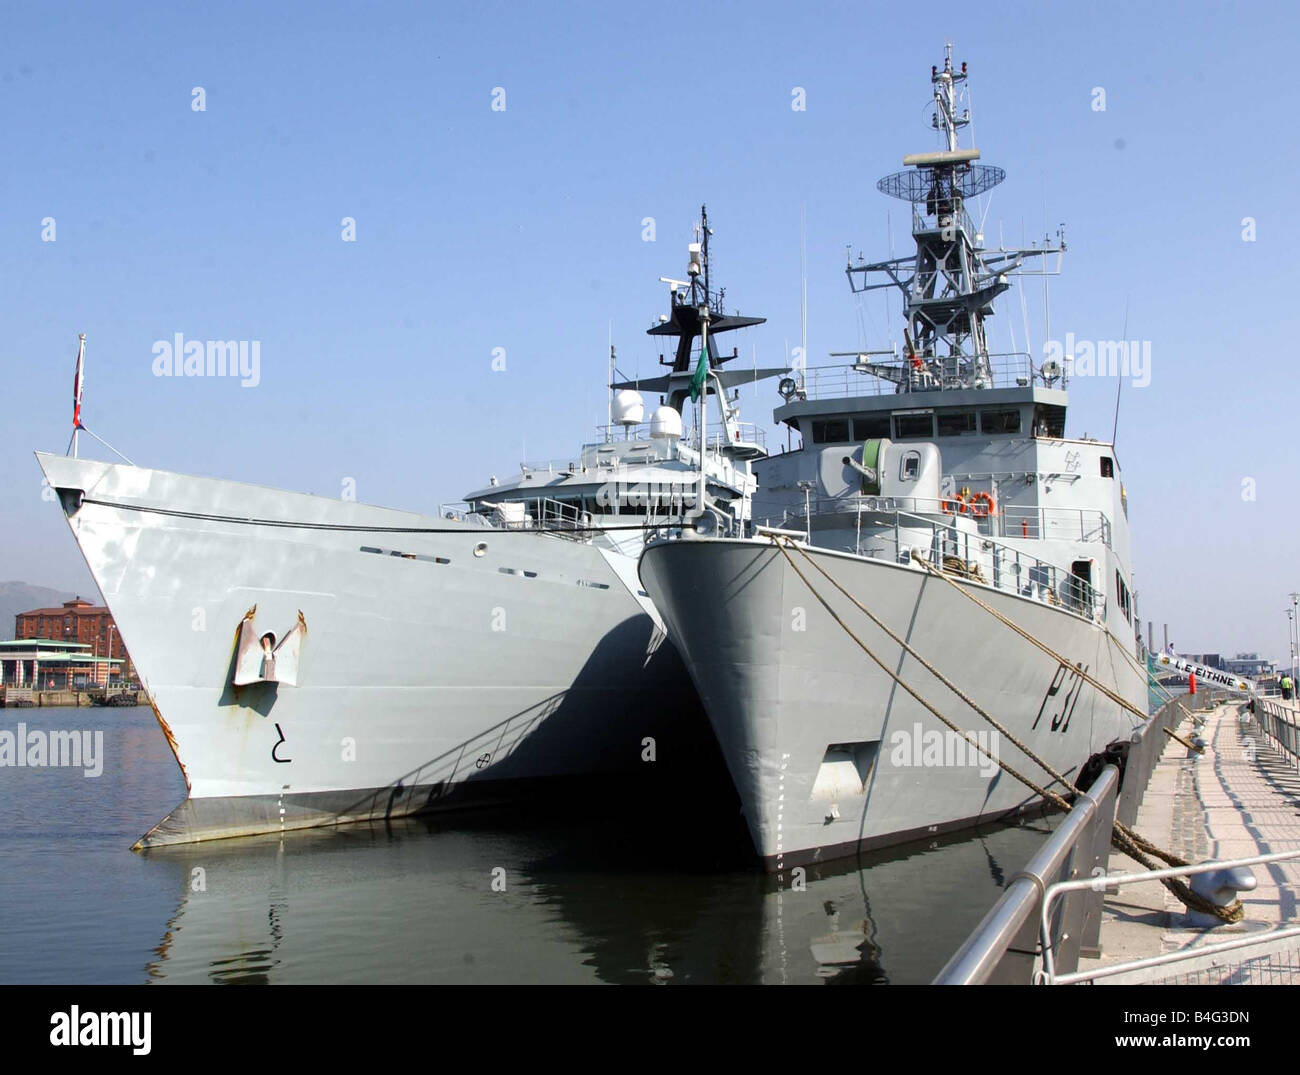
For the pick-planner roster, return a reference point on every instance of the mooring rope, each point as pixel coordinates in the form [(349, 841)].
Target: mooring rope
[(1092, 681), (1179, 739), (1132, 843), (1195, 718)]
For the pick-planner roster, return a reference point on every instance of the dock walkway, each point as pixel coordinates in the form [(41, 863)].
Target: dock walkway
[(1241, 798)]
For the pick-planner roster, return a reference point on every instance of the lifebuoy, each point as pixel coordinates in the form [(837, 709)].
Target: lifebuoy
[(950, 507), (984, 499)]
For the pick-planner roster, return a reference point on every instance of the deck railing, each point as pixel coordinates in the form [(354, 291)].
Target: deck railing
[(1006, 369), (977, 556), (568, 520), (1013, 521)]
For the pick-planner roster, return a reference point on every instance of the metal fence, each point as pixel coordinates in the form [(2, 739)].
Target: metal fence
[(1278, 720), (1006, 947)]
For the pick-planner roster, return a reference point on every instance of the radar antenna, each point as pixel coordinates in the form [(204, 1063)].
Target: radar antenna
[(950, 283)]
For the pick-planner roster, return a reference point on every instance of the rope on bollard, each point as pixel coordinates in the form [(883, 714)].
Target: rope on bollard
[(1179, 739)]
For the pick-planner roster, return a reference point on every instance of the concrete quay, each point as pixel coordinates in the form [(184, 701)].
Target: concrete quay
[(1241, 798)]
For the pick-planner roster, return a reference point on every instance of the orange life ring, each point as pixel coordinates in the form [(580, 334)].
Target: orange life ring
[(986, 499)]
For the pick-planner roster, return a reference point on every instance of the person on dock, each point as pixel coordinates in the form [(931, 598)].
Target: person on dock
[(1288, 688)]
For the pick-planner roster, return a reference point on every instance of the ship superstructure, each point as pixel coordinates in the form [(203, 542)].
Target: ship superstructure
[(921, 477)]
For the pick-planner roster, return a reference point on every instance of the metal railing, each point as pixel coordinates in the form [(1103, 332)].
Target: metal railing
[(1007, 946), (973, 555), (568, 520), (1065, 889), (1034, 522), (746, 433), (1003, 948), (1046, 524), (1278, 720), (1008, 369), (614, 460)]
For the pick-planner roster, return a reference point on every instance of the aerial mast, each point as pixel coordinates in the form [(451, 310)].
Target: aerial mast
[(950, 283)]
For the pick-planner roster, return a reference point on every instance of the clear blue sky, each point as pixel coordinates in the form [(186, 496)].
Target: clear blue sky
[(521, 229)]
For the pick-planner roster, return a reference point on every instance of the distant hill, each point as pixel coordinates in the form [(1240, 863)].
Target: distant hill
[(16, 597)]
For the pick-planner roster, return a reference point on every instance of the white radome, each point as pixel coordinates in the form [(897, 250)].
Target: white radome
[(666, 424), (629, 408)]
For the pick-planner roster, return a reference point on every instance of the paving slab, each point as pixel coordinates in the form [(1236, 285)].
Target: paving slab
[(1239, 799)]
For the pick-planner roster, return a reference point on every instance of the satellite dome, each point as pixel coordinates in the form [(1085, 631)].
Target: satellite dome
[(666, 424), (629, 408)]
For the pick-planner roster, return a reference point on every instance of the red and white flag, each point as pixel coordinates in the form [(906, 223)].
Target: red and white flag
[(77, 384)]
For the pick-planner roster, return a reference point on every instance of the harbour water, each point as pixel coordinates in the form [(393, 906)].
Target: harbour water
[(583, 891)]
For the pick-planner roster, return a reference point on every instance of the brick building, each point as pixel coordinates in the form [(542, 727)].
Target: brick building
[(76, 621)]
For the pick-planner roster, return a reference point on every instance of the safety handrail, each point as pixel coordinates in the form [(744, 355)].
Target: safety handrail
[(1011, 569), (1279, 723), (1048, 975), (1005, 946), (1036, 522)]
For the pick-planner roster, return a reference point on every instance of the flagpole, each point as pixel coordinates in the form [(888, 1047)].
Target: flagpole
[(76, 393), (704, 404)]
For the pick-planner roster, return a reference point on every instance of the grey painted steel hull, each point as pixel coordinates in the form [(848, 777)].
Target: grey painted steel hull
[(783, 684), (428, 672)]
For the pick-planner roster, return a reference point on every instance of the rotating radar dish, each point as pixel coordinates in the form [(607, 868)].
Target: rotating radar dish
[(918, 184)]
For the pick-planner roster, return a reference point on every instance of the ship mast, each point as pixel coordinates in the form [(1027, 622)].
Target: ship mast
[(692, 303), (950, 283)]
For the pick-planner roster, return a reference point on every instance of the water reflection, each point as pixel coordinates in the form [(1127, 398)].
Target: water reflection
[(604, 887), (471, 900)]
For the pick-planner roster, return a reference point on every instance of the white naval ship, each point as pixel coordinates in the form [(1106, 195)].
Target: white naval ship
[(314, 661), (923, 480)]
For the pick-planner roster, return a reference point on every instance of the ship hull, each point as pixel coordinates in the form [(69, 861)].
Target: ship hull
[(827, 753), (441, 661)]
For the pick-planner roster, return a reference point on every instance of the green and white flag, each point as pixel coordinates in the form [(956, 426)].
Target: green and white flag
[(701, 370)]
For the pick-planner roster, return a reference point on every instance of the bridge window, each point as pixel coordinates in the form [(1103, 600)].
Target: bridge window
[(1107, 467), (830, 431), (956, 423), (1049, 421), (913, 426), (1000, 421), (871, 428)]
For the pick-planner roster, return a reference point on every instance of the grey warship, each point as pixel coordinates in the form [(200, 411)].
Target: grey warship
[(935, 512), (314, 661)]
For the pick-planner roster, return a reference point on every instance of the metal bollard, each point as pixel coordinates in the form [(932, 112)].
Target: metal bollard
[(1220, 887)]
